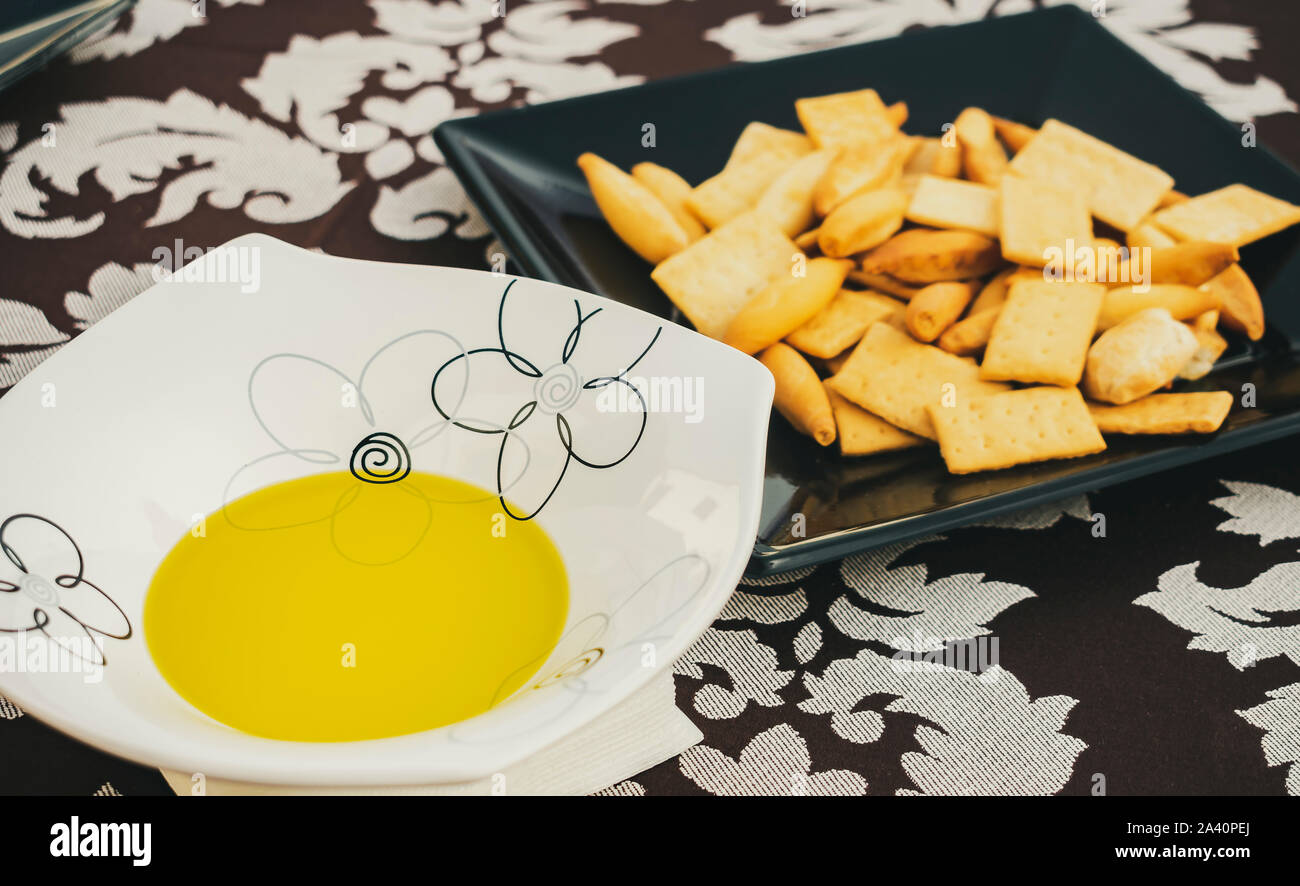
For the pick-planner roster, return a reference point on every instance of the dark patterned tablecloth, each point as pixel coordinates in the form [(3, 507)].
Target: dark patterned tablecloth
[(1163, 657)]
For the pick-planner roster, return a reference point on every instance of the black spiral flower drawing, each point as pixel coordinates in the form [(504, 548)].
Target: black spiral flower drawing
[(380, 458), (317, 414), (43, 587), (556, 390)]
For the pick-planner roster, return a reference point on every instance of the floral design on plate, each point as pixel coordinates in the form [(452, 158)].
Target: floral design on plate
[(43, 587), (542, 404)]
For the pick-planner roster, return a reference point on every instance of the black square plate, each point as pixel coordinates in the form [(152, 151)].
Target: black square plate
[(518, 167)]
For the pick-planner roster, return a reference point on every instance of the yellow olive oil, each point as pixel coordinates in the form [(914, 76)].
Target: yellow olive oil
[(378, 610)]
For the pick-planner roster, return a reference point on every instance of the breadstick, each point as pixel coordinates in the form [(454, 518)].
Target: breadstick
[(982, 156), (969, 336), (1189, 264), (993, 294), (925, 256), (936, 307), (800, 396), (1182, 302), (785, 304), (862, 222), (672, 190), (885, 283), (633, 211)]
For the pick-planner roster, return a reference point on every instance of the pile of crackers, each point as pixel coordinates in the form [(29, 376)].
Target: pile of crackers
[(1012, 294)]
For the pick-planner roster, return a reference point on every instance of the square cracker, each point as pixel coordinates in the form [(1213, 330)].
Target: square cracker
[(1036, 216), (861, 433), (952, 203), (1042, 334), (845, 117), (896, 377), (1236, 215), (761, 155), (841, 323), (1119, 188), (1015, 427), (713, 278), (1199, 412)]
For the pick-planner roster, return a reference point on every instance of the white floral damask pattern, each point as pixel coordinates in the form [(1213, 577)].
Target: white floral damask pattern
[(188, 149), (1249, 624), (1280, 720), (922, 613), (110, 287), (148, 23), (750, 666), (129, 143), (275, 178), (774, 763), (313, 80), (987, 735), (983, 732)]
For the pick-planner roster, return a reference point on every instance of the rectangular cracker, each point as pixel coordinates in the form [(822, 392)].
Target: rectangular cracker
[(1036, 217), (897, 378), (1042, 334), (841, 323), (952, 203), (1236, 215), (1147, 234), (1015, 427), (845, 117), (713, 278), (861, 433), (1118, 188), (1200, 412), (758, 139), (761, 155)]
